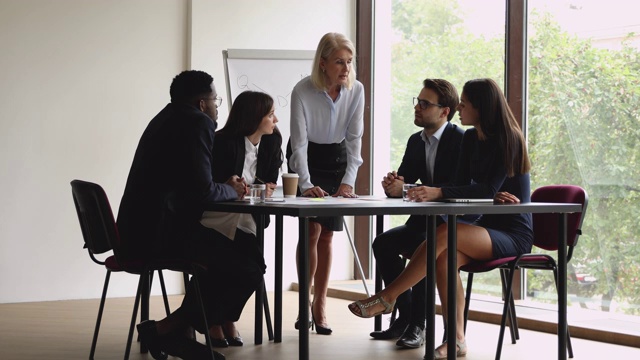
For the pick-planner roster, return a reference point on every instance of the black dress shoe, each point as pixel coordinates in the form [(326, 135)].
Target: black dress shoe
[(394, 331), (149, 336), (412, 338)]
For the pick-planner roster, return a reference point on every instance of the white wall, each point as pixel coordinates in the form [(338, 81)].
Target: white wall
[(278, 24), (79, 81)]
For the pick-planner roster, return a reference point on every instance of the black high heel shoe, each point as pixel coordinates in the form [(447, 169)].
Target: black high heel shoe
[(218, 343), (234, 340), (228, 329), (319, 328), (310, 324)]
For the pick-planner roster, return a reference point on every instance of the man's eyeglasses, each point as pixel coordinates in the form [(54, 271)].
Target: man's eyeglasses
[(217, 100), (424, 103)]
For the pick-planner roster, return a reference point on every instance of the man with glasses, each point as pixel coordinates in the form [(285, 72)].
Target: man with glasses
[(430, 157), (169, 185)]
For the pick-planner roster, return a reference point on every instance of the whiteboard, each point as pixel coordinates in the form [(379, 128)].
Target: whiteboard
[(274, 72)]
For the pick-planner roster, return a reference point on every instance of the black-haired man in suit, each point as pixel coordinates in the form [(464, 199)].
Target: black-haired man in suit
[(169, 186)]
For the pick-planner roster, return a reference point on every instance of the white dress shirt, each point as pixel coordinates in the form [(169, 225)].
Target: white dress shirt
[(317, 118), (431, 149), (226, 223)]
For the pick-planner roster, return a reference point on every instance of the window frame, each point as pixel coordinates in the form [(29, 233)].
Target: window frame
[(515, 91)]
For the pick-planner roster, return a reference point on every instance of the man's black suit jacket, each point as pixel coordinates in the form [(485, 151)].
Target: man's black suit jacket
[(170, 182), (414, 163)]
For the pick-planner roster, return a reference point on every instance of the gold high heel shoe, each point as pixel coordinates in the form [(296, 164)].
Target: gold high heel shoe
[(364, 306)]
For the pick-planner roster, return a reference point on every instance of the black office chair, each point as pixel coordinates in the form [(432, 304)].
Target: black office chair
[(100, 234)]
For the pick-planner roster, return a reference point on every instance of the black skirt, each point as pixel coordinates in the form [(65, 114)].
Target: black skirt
[(327, 166)]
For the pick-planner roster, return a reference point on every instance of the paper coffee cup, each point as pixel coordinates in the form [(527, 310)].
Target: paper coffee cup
[(289, 185)]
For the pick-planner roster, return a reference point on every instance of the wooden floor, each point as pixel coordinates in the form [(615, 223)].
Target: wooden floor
[(63, 330)]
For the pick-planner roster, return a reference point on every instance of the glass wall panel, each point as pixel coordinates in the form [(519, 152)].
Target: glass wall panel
[(584, 129), (456, 40), (583, 120)]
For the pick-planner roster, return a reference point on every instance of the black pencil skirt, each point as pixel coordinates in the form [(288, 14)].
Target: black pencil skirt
[(327, 166)]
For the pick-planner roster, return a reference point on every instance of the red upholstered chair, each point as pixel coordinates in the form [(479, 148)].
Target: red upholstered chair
[(100, 234), (545, 235)]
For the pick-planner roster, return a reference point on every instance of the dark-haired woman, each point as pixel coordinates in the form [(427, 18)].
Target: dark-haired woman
[(249, 146), (493, 164)]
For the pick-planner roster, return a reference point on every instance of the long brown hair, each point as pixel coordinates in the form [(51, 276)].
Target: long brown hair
[(245, 117), (247, 112), (497, 121)]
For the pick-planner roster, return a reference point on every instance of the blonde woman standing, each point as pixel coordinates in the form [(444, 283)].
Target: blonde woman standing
[(327, 110)]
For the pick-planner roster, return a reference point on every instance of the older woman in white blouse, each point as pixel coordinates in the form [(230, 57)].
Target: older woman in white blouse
[(324, 150)]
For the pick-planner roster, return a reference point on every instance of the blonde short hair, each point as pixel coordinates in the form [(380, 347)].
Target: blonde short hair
[(329, 43)]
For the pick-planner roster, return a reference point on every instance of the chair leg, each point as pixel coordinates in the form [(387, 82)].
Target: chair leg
[(204, 313), (514, 318), (267, 313), (511, 317), (100, 311), (191, 331), (505, 312), (259, 296), (569, 347), (143, 278), (164, 293), (467, 299), (145, 296)]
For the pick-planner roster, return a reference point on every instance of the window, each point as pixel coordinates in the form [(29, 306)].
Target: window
[(582, 117), (419, 39), (583, 122)]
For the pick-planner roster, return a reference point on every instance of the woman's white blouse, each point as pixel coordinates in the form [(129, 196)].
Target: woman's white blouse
[(316, 118)]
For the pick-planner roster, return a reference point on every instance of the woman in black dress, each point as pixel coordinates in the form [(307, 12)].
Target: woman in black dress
[(493, 164)]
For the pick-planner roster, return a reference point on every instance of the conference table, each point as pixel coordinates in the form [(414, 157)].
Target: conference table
[(307, 208)]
